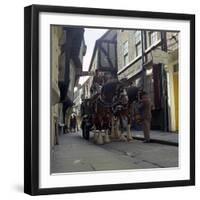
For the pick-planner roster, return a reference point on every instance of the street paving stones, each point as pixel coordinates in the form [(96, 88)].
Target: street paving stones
[(159, 136), (74, 154)]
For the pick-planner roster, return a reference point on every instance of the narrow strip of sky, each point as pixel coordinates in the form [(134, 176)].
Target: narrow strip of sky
[(90, 35)]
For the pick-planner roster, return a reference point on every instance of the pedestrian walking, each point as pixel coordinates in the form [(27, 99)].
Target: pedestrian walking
[(145, 110), (73, 123)]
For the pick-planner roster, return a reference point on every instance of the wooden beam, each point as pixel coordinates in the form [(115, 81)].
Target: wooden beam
[(85, 73)]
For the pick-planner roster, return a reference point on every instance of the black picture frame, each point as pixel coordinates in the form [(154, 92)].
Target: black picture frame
[(31, 98)]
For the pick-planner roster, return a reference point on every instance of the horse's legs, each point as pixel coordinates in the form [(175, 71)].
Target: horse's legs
[(95, 135), (112, 127), (99, 138), (106, 138), (109, 122), (129, 135), (122, 135), (117, 131), (115, 128)]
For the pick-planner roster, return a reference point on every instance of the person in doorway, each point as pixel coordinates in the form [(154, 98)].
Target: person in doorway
[(145, 111)]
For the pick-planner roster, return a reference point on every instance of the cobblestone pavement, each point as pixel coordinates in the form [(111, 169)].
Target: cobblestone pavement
[(159, 136), (74, 154)]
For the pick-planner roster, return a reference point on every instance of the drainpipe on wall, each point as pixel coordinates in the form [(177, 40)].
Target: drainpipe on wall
[(143, 68), (164, 83)]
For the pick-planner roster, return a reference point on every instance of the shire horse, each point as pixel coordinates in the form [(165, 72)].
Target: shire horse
[(111, 108), (122, 108), (102, 111)]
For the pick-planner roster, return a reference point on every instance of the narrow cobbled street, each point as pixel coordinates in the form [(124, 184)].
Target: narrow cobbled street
[(74, 154)]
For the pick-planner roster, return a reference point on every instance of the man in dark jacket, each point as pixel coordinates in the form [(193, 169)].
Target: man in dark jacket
[(145, 110), (73, 123)]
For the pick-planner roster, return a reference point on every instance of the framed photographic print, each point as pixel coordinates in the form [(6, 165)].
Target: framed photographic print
[(109, 99)]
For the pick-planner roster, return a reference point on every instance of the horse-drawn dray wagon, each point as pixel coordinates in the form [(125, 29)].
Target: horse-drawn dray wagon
[(109, 112)]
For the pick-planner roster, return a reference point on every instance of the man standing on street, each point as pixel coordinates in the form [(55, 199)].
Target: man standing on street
[(73, 123), (145, 110)]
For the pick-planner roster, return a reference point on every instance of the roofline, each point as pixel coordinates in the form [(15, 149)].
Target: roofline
[(93, 54), (95, 47)]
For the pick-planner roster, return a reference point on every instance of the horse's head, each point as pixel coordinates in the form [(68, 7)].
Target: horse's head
[(109, 91), (133, 93), (123, 96)]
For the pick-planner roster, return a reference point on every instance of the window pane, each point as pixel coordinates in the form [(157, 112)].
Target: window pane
[(138, 49), (125, 59), (137, 36), (125, 46), (153, 37)]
